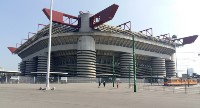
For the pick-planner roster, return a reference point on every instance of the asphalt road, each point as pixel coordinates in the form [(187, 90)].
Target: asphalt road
[(90, 96)]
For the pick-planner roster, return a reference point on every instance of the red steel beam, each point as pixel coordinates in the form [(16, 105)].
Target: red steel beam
[(103, 16), (58, 18), (12, 49)]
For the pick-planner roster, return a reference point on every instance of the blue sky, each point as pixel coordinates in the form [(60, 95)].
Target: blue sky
[(180, 17)]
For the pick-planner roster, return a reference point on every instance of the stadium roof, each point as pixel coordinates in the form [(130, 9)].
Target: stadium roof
[(62, 28)]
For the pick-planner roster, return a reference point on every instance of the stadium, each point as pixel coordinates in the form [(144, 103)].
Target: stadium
[(84, 46)]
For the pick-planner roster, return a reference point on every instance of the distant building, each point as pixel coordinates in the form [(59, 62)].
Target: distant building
[(195, 75), (184, 75), (9, 76), (190, 71)]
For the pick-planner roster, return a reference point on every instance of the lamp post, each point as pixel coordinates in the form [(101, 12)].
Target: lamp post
[(113, 63), (49, 48), (134, 62), (188, 81)]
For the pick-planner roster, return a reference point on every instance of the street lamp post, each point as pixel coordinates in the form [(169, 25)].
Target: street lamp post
[(188, 81), (113, 63), (49, 48), (134, 62)]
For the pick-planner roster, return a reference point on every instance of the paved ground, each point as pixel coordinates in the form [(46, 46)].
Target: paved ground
[(90, 96)]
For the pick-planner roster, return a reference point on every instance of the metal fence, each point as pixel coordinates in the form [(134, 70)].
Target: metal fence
[(40, 80), (159, 87), (142, 84)]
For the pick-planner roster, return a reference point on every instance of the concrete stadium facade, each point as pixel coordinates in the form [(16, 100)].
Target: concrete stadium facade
[(89, 52)]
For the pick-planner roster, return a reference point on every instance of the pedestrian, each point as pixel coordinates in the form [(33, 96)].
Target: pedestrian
[(99, 83), (104, 83), (117, 84)]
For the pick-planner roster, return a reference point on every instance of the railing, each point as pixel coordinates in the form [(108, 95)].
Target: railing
[(142, 86), (193, 89)]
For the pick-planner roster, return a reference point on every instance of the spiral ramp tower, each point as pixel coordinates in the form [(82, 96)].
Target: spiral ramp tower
[(126, 63), (86, 57), (170, 68), (86, 66), (158, 67)]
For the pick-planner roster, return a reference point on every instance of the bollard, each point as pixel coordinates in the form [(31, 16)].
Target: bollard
[(185, 89)]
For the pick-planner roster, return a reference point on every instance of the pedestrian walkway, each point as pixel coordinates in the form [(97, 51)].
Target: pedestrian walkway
[(88, 95)]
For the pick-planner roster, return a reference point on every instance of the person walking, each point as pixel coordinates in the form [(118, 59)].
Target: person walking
[(117, 84), (99, 83), (104, 83)]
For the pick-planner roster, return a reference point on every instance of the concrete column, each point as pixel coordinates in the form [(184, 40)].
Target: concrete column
[(34, 79), (85, 21), (6, 79), (86, 54), (18, 80), (174, 58), (58, 79)]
